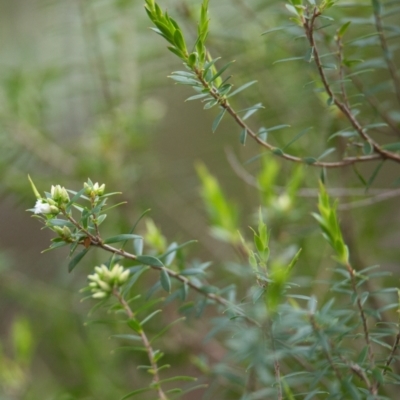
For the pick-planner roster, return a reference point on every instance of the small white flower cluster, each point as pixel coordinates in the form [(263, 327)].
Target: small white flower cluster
[(51, 205), (105, 280)]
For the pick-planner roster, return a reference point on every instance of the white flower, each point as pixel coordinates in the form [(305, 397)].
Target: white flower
[(42, 208)]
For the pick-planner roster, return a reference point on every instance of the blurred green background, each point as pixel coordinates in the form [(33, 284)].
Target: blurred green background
[(84, 93)]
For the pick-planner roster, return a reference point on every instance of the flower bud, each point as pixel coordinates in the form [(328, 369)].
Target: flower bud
[(104, 281), (99, 295), (59, 194)]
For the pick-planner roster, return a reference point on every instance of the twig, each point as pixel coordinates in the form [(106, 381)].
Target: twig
[(328, 356), (99, 64), (375, 104), (98, 242), (277, 366), (371, 358), (309, 25), (357, 370), (370, 201), (392, 352), (386, 52), (147, 345), (223, 102)]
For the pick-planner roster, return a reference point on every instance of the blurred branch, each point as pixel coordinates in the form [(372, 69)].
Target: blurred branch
[(91, 35), (376, 6), (309, 27), (48, 152)]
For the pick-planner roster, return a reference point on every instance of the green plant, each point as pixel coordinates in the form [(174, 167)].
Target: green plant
[(280, 339)]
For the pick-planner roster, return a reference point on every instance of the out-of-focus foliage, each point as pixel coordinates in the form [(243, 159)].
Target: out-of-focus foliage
[(83, 92)]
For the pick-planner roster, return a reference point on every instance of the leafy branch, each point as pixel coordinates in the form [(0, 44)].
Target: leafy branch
[(203, 76)]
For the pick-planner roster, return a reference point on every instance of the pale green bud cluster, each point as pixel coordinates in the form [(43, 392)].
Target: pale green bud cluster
[(64, 232), (94, 189), (59, 194), (104, 280)]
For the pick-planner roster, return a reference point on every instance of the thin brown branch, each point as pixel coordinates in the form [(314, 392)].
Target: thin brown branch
[(223, 102), (92, 35), (181, 278), (375, 104), (309, 26), (392, 352), (328, 356), (277, 366), (341, 71), (357, 370), (98, 242), (385, 48), (371, 358), (147, 345)]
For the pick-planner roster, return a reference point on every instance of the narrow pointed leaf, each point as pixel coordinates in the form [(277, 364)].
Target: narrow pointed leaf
[(165, 280), (243, 137), (35, 191), (217, 120), (298, 136), (150, 260), (74, 262), (121, 238), (243, 87), (220, 72)]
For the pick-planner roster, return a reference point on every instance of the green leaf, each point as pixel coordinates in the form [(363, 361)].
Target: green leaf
[(176, 51), (171, 253), (184, 80), (149, 317), (179, 41), (310, 160), (243, 136), (367, 148), (309, 55), (252, 110), (121, 238), (221, 71), (179, 378), (59, 222), (341, 31), (280, 28), (128, 337), (392, 146), (176, 248), (165, 280), (135, 392), (75, 198), (374, 174), (217, 120), (134, 325), (35, 191), (149, 260), (288, 59), (241, 88), (326, 153), (208, 65), (197, 96), (74, 262), (298, 136), (277, 151)]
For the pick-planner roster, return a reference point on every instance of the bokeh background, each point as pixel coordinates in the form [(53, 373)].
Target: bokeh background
[(84, 93)]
